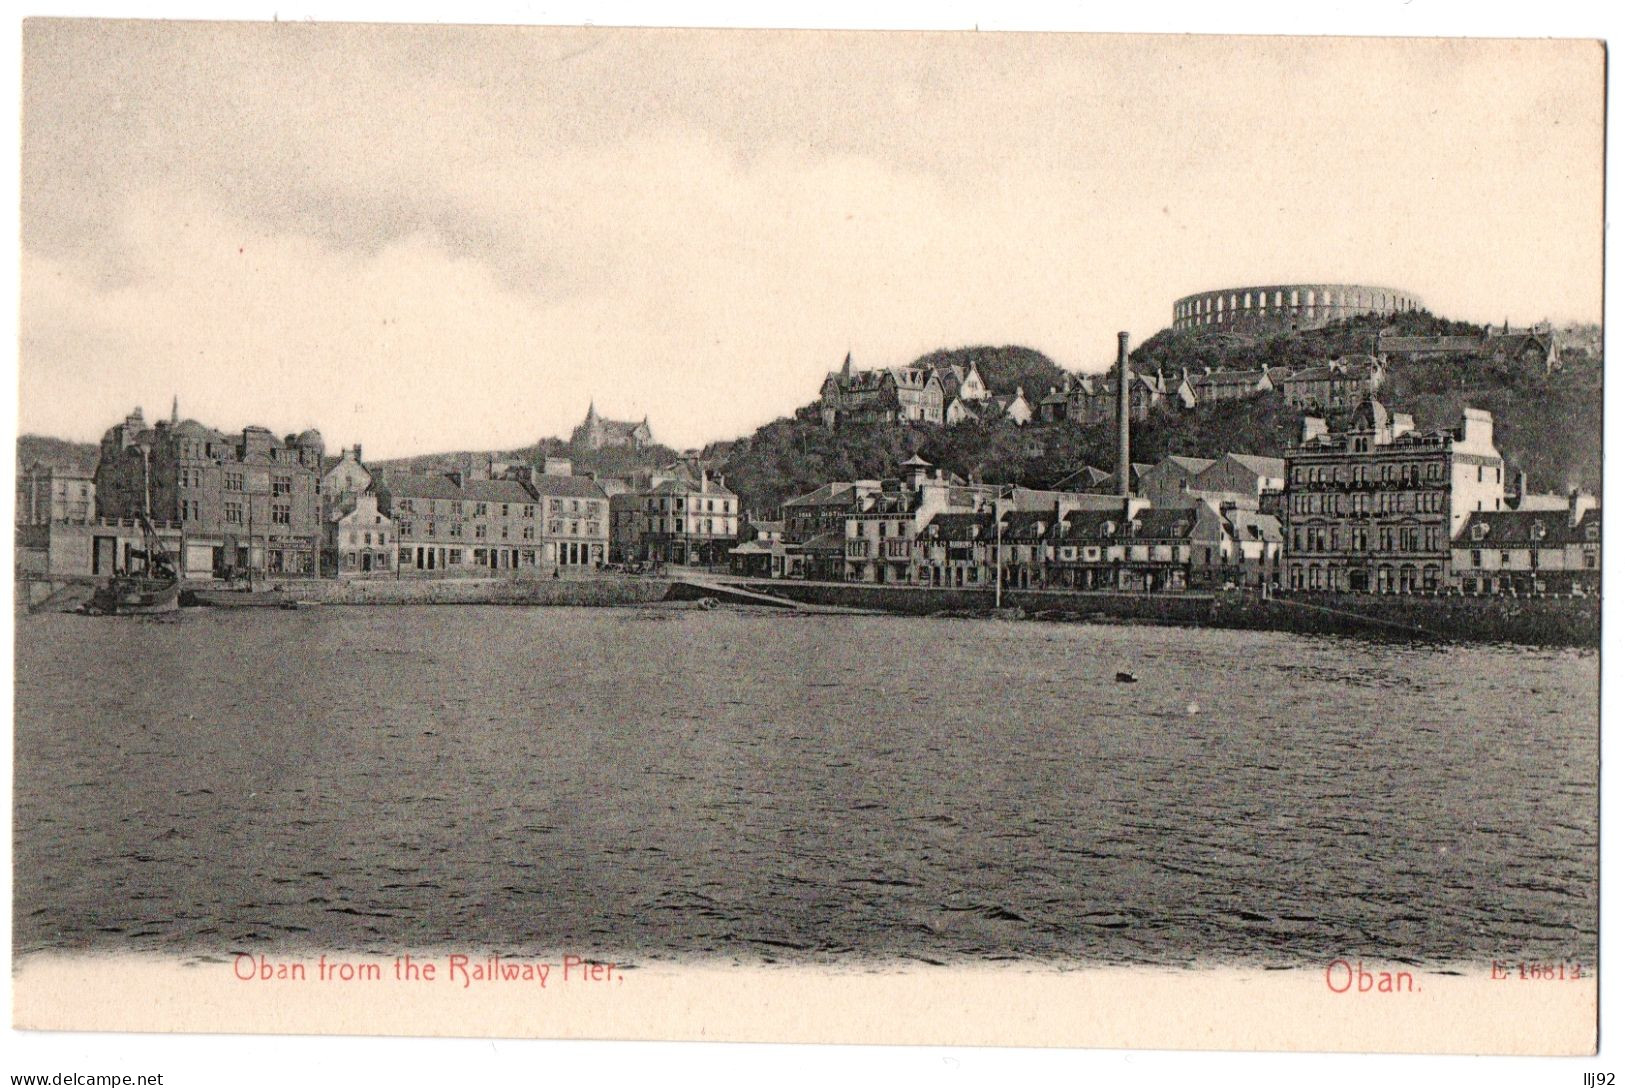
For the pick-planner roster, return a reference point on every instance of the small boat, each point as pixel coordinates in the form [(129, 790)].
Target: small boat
[(135, 596), (1127, 678), (155, 588), (151, 588)]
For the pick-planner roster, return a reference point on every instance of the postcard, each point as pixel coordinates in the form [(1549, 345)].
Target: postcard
[(968, 539)]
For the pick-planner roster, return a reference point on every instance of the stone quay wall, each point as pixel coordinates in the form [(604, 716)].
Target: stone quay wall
[(1544, 621)]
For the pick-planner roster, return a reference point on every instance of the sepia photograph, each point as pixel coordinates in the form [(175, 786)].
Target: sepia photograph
[(939, 538)]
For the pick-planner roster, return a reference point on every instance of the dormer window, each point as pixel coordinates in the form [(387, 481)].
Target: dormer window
[(1480, 530), (1537, 531), (1107, 528)]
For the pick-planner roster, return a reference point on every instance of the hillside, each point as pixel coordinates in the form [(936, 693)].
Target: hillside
[(56, 453), (1003, 368), (1549, 426), (605, 462)]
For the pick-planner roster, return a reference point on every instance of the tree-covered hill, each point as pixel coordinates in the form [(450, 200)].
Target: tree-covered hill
[(56, 453), (1547, 425), (1004, 368)]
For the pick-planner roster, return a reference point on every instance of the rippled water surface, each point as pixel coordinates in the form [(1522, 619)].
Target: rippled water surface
[(809, 788)]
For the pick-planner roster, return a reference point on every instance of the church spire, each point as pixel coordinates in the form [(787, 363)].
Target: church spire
[(175, 409)]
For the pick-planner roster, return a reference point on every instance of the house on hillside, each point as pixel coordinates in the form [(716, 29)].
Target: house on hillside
[(898, 394), (1338, 385), (1013, 406), (597, 433), (1093, 397), (962, 381), (1212, 386)]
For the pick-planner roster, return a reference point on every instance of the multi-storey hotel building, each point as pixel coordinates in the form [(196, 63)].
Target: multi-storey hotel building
[(1373, 509)]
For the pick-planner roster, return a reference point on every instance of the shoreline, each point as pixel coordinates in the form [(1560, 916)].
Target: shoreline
[(1543, 622)]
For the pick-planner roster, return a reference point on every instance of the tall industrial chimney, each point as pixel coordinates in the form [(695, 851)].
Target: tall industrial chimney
[(1125, 471)]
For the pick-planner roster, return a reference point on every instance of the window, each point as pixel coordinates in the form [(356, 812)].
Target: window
[(479, 530), (479, 509), (234, 481), (234, 513), (282, 485), (281, 514)]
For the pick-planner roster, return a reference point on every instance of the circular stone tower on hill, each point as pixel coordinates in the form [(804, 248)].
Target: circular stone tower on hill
[(1282, 307)]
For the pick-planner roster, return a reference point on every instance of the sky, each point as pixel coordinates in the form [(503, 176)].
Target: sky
[(434, 238)]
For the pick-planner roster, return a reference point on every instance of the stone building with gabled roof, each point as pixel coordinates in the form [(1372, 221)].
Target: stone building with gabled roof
[(897, 394), (1530, 552), (596, 432), (1374, 508), (451, 522), (240, 502)]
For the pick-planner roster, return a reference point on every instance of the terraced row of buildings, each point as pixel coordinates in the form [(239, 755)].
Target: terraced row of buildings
[(1376, 507)]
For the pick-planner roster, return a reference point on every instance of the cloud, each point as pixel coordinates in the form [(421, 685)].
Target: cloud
[(426, 238)]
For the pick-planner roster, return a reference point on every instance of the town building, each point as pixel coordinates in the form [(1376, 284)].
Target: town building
[(1170, 479), (359, 539), (763, 553), (1376, 507), (1088, 480), (1129, 549), (242, 502), (824, 510), (345, 477), (1530, 552), (954, 550), (52, 495), (688, 523), (1257, 540), (596, 432), (450, 522), (1243, 479), (575, 516), (1051, 407), (880, 533)]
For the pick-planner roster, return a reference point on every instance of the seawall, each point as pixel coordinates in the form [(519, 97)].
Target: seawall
[(1526, 621), (586, 592)]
